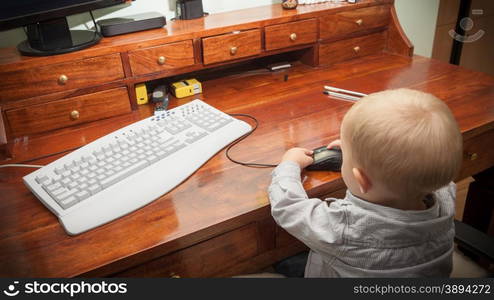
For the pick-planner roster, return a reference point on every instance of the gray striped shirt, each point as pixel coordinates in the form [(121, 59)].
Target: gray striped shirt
[(351, 237)]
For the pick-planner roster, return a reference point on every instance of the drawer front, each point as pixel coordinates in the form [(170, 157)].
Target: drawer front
[(477, 154), (231, 46), (334, 52), (291, 34), (204, 259), (352, 21), (68, 112), (53, 78), (161, 58)]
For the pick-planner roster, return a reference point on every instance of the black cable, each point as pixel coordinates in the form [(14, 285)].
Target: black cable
[(252, 165), (96, 30)]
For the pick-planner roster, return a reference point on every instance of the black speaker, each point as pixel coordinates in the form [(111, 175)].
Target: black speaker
[(189, 9)]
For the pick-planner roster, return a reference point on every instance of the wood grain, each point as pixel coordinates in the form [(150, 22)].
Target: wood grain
[(44, 79), (334, 52), (278, 36), (176, 55), (204, 259), (344, 23), (220, 48), (397, 41), (56, 114), (291, 113)]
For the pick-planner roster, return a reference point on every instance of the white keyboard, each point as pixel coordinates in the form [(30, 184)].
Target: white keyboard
[(131, 167)]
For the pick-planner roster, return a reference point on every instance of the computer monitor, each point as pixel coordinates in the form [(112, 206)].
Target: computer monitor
[(46, 25)]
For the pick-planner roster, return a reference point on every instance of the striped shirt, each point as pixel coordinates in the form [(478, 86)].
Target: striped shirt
[(351, 237)]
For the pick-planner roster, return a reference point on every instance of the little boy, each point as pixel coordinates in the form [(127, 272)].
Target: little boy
[(401, 150)]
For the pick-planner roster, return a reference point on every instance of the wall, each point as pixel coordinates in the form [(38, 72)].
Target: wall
[(418, 19)]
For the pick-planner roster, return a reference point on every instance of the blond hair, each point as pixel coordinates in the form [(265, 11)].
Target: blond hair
[(406, 139)]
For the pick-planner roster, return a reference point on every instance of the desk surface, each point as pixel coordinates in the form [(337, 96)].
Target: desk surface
[(291, 113)]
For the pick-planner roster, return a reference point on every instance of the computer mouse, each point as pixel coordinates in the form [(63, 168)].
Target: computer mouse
[(326, 159)]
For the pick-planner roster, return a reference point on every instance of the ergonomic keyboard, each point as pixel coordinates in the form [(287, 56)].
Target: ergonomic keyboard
[(130, 167)]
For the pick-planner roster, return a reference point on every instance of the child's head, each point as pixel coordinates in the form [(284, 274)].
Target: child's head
[(403, 140)]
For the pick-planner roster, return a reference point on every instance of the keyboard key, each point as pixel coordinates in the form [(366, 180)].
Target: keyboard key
[(42, 179), (82, 195), (123, 174), (68, 202)]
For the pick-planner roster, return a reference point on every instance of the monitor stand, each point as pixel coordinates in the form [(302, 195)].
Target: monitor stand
[(54, 37)]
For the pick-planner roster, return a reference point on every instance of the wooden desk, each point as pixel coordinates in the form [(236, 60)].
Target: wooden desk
[(195, 230), (218, 223)]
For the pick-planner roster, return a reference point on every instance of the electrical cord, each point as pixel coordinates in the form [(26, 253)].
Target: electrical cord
[(246, 164), (21, 165)]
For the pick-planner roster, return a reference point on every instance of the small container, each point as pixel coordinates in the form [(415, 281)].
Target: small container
[(289, 4)]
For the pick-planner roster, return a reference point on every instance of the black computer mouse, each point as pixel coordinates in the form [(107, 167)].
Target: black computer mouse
[(326, 159)]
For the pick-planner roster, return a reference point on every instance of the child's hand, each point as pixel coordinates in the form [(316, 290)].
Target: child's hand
[(335, 144), (302, 156)]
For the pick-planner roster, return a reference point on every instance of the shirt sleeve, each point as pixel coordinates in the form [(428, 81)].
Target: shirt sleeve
[(318, 224)]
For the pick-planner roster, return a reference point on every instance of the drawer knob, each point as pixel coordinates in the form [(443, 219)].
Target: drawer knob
[(473, 156), (293, 36), (63, 79), (161, 60), (233, 50), (74, 115), (356, 49), (359, 22), (173, 275)]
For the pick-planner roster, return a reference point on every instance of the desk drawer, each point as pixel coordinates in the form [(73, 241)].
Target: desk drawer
[(347, 22), (53, 78), (477, 154), (204, 259), (231, 46), (161, 58), (68, 112), (290, 34), (330, 53)]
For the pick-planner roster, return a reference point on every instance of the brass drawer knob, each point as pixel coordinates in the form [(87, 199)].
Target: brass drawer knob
[(161, 60), (293, 36), (173, 275), (472, 156), (74, 115), (63, 79), (233, 50), (359, 22), (356, 49)]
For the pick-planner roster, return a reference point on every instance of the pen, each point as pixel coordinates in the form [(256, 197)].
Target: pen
[(341, 96), (334, 89)]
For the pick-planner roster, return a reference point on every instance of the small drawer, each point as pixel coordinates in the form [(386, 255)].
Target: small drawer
[(231, 46), (204, 259), (347, 22), (290, 34), (65, 76), (477, 154), (161, 58), (330, 53), (68, 112)]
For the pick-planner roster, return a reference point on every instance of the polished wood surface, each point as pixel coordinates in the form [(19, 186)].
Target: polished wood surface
[(290, 34), (187, 46), (221, 197), (161, 58), (330, 53), (68, 112), (344, 23), (45, 79), (231, 46)]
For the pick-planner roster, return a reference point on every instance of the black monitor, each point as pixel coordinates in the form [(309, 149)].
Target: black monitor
[(46, 26)]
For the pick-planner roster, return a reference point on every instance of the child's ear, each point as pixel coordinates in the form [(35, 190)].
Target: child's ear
[(362, 179)]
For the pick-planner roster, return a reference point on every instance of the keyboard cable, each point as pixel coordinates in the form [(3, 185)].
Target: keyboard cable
[(246, 164)]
